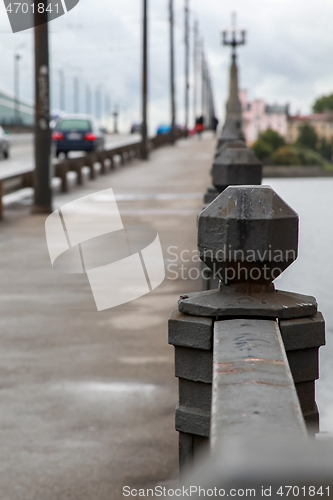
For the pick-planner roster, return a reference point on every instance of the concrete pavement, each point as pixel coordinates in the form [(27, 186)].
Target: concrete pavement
[(87, 398)]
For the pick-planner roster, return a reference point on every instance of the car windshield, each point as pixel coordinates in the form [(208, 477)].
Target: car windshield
[(79, 125)]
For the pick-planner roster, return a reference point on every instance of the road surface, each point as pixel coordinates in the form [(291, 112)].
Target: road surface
[(21, 150), (88, 397)]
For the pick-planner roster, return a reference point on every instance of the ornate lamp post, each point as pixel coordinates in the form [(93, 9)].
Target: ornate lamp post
[(234, 37), (232, 129)]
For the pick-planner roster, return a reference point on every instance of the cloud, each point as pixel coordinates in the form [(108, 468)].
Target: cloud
[(287, 58)]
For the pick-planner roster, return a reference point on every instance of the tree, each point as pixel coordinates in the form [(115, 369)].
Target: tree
[(326, 149), (307, 137), (262, 149), (272, 138), (268, 142), (323, 103), (297, 155), (311, 158), (286, 155)]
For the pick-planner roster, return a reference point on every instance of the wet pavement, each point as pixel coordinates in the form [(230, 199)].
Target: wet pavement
[(87, 398)]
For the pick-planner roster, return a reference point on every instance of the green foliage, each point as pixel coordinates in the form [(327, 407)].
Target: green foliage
[(307, 137), (297, 155), (326, 149), (272, 138), (323, 103), (310, 158), (262, 149), (286, 155), (267, 143), (271, 148)]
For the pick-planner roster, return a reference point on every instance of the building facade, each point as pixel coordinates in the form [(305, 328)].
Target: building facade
[(12, 113), (321, 122), (258, 116)]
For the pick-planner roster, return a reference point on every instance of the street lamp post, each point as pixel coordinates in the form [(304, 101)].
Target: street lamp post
[(115, 115), (17, 117), (233, 120), (107, 104), (195, 68), (76, 95), (203, 81), (43, 173), (62, 100), (187, 64), (172, 74), (98, 103), (144, 127), (234, 39), (88, 99)]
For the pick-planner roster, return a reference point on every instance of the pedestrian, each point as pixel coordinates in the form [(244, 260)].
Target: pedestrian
[(215, 123), (199, 126)]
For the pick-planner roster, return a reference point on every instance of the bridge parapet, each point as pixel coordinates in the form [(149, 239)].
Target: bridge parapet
[(232, 344)]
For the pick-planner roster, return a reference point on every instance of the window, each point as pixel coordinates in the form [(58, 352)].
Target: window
[(79, 125)]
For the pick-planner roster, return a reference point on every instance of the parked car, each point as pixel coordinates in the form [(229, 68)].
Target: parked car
[(136, 128), (163, 129), (4, 143), (77, 133), (55, 116), (166, 129)]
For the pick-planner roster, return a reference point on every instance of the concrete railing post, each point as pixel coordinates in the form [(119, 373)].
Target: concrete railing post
[(235, 165), (247, 236)]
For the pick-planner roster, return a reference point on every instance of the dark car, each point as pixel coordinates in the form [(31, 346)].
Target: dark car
[(77, 133), (4, 144), (136, 128)]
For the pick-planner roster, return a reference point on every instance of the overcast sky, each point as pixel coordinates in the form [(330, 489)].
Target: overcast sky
[(288, 58)]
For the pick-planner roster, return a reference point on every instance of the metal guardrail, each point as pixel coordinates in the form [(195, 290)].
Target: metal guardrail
[(108, 160), (105, 158)]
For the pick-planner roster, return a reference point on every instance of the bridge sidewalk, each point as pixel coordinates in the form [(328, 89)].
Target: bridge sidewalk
[(87, 399)]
